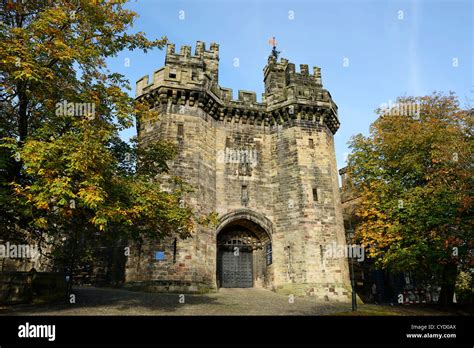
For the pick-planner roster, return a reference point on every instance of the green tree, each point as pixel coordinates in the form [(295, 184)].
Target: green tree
[(414, 176), (66, 175)]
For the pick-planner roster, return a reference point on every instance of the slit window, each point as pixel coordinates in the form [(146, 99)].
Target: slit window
[(311, 143), (180, 130), (315, 194), (174, 249), (269, 257), (245, 195)]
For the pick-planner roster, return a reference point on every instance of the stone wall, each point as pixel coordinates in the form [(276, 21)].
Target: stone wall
[(31, 287)]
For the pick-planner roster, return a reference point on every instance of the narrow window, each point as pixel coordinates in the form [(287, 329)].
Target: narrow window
[(315, 194), (269, 257), (245, 195), (311, 144), (172, 75), (174, 249), (180, 130)]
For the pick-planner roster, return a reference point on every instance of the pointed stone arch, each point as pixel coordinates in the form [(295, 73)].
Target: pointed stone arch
[(250, 235), (246, 215)]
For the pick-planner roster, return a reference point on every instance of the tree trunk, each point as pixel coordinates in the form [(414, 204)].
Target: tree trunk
[(22, 123), (22, 112), (72, 259), (448, 282)]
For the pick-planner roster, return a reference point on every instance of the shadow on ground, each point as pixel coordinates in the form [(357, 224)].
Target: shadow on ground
[(104, 301), (97, 300)]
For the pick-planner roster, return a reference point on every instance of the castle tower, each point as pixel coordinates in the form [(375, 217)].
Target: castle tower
[(267, 169)]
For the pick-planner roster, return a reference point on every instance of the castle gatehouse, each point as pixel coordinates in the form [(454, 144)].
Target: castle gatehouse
[(268, 169)]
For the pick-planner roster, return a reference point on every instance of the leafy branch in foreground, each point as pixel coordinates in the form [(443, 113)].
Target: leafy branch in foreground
[(65, 174)]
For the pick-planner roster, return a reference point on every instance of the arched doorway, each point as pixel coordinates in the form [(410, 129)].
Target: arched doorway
[(244, 253)]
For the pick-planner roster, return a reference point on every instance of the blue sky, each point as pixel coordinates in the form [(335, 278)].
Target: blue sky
[(393, 48)]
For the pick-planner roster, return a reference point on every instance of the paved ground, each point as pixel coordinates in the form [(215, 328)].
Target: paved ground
[(100, 301)]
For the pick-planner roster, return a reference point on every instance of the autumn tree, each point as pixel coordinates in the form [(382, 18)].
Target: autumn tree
[(414, 176), (66, 174)]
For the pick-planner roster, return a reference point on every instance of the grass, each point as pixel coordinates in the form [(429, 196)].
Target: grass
[(413, 310)]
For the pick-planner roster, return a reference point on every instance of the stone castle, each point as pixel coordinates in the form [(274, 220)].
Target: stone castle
[(268, 169)]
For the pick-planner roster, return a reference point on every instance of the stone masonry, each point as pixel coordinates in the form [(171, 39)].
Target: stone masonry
[(268, 169)]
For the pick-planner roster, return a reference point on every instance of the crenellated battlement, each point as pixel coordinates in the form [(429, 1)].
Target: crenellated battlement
[(199, 53), (203, 61), (288, 69), (302, 77), (194, 79)]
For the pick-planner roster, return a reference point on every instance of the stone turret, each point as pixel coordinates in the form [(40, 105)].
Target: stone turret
[(274, 76), (202, 61), (284, 84)]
